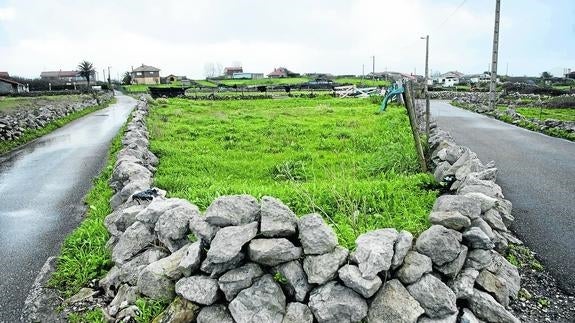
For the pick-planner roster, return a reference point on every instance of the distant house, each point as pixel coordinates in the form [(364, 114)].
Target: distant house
[(570, 75), (282, 72), (246, 75), (173, 78), (395, 76), (477, 78), (11, 86), (4, 75), (63, 77), (146, 74), (230, 71), (449, 79)]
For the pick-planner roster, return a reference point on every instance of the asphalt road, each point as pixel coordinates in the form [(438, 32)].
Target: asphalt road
[(41, 189), (537, 174)]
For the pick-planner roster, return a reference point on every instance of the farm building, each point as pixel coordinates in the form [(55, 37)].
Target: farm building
[(477, 78), (230, 71), (63, 77), (173, 78), (146, 74), (246, 75), (11, 86), (282, 72)]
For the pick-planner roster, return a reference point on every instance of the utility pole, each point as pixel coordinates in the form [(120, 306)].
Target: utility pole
[(373, 66), (109, 80), (493, 84), (427, 112)]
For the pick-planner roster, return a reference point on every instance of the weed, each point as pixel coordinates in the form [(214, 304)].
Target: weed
[(148, 309), (521, 256), (92, 316), (278, 277)]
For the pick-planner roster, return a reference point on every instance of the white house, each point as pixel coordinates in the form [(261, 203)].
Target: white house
[(448, 79), (478, 78)]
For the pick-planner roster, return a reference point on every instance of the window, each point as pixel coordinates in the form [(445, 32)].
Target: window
[(138, 73)]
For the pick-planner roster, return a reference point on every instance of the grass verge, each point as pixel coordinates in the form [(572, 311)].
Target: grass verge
[(31, 134)]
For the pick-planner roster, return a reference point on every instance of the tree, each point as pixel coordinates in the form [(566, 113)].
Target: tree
[(546, 75), (127, 78), (86, 70)]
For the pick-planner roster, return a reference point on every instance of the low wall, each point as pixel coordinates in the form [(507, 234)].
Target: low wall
[(245, 260), (15, 122)]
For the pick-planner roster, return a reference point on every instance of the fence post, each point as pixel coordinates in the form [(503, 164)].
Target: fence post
[(410, 106)]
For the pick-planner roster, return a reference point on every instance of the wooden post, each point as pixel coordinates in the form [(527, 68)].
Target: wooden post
[(410, 106)]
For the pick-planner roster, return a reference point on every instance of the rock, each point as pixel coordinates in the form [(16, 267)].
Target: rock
[(156, 279), (315, 236), (351, 277), (374, 251), (451, 269), (393, 303), (128, 314), (402, 246), (263, 302), (273, 252), (235, 280), (229, 241), (481, 224), (129, 271), (173, 225), (434, 296), (475, 185), (468, 317), (135, 239), (462, 284), (233, 210), (506, 272), (447, 319), (479, 258), (111, 281), (415, 265), (295, 282), (493, 218), (215, 270), (277, 220), (494, 286), (464, 205), (82, 295), (198, 289), (322, 268), (500, 242), (450, 219), (475, 238), (118, 221), (202, 230), (484, 201), (486, 308), (190, 262), (297, 313), (154, 210), (125, 296), (217, 313), (440, 244), (179, 311), (333, 302)]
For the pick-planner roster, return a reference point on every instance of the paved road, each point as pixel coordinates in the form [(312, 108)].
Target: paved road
[(41, 190), (537, 174)]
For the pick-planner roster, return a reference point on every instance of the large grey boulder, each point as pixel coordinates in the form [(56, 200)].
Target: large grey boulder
[(118, 221), (202, 230), (233, 210), (434, 296), (263, 302), (129, 271), (180, 310), (172, 226), (157, 207), (440, 244), (277, 220), (468, 317), (479, 258), (294, 282), (216, 270), (451, 269), (393, 303), (448, 319), (485, 201), (494, 285), (297, 313), (493, 218), (486, 308), (135, 239), (374, 251), (450, 219), (217, 313), (198, 289), (462, 284), (415, 265), (156, 279), (191, 260), (466, 206), (506, 272), (229, 241), (333, 302), (125, 296), (401, 247), (322, 268), (271, 252), (475, 238), (351, 277), (235, 280), (315, 236)]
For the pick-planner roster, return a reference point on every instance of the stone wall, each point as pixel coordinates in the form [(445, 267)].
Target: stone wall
[(15, 122), (245, 260)]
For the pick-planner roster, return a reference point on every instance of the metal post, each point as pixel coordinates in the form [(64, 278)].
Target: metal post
[(427, 109), (493, 85), (373, 66)]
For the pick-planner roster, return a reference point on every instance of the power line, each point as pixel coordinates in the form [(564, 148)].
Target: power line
[(453, 13)]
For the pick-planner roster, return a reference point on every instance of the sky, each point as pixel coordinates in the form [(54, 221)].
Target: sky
[(324, 36)]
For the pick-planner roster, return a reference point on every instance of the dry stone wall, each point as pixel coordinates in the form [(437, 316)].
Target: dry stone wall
[(14, 123), (249, 260)]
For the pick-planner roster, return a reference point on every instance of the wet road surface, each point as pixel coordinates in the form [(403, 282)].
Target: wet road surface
[(41, 189), (537, 174)]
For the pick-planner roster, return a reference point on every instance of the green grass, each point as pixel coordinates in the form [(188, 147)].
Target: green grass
[(567, 114), (337, 157), (149, 309), (361, 82), (143, 88), (31, 134), (265, 81), (205, 83), (84, 255), (11, 103)]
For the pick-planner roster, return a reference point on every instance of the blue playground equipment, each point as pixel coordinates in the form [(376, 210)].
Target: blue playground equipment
[(391, 92)]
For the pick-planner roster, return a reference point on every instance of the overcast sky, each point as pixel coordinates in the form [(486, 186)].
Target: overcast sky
[(333, 36)]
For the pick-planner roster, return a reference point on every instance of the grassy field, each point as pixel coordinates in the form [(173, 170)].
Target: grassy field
[(337, 157), (12, 103), (143, 88), (543, 114), (361, 82), (265, 81)]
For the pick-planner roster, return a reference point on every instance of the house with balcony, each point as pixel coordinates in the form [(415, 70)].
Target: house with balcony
[(146, 74)]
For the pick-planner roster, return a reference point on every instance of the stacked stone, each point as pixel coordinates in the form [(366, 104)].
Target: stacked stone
[(15, 122)]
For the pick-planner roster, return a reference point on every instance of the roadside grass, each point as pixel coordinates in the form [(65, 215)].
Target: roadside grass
[(143, 88), (361, 82), (84, 255), (567, 114), (337, 157), (12, 103), (31, 134)]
